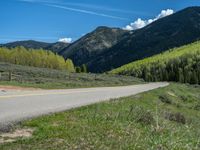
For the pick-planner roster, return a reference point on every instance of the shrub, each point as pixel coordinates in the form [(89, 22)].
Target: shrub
[(197, 106), (165, 99), (184, 98), (143, 116), (177, 117)]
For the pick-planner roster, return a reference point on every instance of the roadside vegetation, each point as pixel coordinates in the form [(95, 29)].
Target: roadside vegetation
[(178, 64), (165, 118), (51, 79)]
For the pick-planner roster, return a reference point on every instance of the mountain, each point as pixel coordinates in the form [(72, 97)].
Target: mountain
[(107, 48), (179, 64), (27, 44), (93, 44), (82, 50), (103, 50), (55, 47)]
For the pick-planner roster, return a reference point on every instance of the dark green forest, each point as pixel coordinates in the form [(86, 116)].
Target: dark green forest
[(36, 58), (178, 64)]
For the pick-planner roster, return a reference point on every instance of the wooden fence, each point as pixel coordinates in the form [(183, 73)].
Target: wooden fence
[(9, 76)]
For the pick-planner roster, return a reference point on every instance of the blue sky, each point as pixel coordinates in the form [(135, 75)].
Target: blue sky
[(50, 20)]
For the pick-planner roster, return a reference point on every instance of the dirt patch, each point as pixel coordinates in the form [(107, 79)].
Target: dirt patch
[(12, 136), (171, 94), (5, 88)]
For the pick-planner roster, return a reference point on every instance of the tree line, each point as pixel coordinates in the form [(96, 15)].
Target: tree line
[(36, 58), (179, 64)]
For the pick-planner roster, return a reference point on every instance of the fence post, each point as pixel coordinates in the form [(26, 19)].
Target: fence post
[(10, 76)]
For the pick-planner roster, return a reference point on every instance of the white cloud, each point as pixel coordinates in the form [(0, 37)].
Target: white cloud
[(165, 13), (139, 23), (65, 40)]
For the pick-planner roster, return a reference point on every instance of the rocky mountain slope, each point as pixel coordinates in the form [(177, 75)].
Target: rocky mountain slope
[(95, 43)]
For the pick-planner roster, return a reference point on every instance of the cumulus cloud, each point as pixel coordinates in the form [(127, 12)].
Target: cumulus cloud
[(139, 23), (65, 40)]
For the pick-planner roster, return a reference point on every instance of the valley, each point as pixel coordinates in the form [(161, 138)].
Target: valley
[(133, 87), (107, 48)]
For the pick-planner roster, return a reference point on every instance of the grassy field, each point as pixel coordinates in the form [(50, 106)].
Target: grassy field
[(165, 118), (51, 79)]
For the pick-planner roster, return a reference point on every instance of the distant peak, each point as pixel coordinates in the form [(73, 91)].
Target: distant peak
[(105, 28), (102, 28)]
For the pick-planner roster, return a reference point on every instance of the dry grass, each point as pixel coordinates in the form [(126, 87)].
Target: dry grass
[(13, 136)]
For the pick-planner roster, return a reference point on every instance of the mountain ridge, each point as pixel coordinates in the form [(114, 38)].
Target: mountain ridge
[(107, 48), (172, 31), (32, 44), (92, 44)]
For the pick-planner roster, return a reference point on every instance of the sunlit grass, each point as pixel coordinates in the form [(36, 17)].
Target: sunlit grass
[(135, 122)]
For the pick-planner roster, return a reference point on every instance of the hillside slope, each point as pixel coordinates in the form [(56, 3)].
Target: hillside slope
[(31, 44), (175, 30), (107, 48), (45, 78), (93, 44), (179, 64)]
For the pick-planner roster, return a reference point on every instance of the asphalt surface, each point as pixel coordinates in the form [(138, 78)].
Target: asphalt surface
[(16, 105)]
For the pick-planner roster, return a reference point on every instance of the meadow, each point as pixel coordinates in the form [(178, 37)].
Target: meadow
[(27, 76), (165, 118)]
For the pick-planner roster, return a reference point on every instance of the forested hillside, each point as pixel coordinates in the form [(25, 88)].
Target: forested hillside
[(35, 58), (107, 48), (31, 44), (179, 64), (172, 31)]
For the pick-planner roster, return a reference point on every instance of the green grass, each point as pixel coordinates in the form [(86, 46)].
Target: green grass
[(165, 118), (52, 79)]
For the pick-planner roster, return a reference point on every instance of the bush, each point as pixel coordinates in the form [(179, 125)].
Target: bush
[(143, 116), (197, 106), (184, 98), (177, 117), (165, 99)]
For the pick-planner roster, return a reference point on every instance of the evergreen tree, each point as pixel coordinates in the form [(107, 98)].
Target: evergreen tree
[(78, 69), (84, 68), (179, 64)]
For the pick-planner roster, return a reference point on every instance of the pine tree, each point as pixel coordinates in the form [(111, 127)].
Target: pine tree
[(84, 68), (78, 69)]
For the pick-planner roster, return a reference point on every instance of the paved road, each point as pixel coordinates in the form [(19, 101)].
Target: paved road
[(19, 105)]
